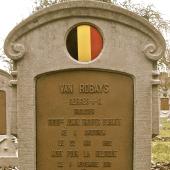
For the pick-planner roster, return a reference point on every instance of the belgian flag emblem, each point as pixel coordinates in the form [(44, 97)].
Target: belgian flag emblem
[(84, 43)]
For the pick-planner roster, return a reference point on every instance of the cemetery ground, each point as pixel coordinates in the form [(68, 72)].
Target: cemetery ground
[(161, 147)]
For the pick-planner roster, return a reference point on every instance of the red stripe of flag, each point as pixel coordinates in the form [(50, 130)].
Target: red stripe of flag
[(96, 43)]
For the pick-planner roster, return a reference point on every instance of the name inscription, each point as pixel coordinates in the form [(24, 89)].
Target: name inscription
[(84, 88)]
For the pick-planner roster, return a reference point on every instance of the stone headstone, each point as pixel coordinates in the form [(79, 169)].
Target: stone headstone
[(5, 106), (87, 87), (164, 103), (2, 112), (8, 149)]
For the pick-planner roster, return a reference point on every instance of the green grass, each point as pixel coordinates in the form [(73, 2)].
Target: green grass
[(161, 149), (165, 130)]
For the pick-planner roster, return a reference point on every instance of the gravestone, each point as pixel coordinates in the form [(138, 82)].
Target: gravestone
[(8, 149), (4, 103), (87, 87), (2, 112), (164, 103)]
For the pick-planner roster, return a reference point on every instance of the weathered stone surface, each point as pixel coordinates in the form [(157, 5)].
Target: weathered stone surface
[(8, 146)]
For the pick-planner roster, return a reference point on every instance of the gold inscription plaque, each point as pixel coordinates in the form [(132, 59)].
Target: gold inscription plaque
[(2, 112), (84, 120), (164, 103)]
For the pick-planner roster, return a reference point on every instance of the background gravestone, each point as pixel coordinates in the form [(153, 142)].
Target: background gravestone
[(8, 146), (2, 112), (82, 104), (5, 98), (164, 103)]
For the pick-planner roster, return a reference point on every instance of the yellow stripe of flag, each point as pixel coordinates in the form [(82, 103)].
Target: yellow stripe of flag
[(84, 43)]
